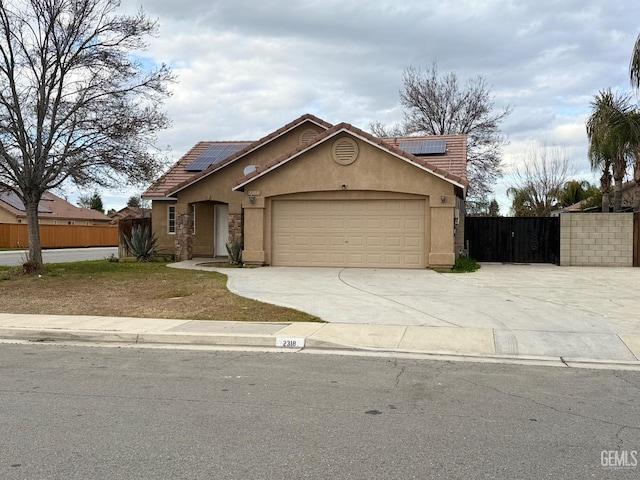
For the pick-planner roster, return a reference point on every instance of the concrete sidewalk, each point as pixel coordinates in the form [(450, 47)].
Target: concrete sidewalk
[(551, 348)]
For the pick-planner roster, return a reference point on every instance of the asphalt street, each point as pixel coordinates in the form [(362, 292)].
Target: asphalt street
[(93, 412), (60, 255)]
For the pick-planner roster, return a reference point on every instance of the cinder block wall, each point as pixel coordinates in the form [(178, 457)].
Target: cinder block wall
[(596, 239)]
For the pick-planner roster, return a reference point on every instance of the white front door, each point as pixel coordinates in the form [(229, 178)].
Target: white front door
[(221, 234)]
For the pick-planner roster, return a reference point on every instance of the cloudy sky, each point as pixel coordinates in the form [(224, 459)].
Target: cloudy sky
[(246, 67)]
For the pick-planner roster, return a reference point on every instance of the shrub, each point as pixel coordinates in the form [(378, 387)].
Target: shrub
[(142, 243), (234, 250), (465, 264), (112, 258)]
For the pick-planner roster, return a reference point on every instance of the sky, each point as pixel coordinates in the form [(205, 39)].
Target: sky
[(247, 67)]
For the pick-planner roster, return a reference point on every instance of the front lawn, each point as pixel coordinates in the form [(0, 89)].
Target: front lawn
[(150, 290)]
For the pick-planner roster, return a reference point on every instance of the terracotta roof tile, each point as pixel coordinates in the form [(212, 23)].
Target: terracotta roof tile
[(178, 178), (54, 207), (454, 161), (454, 158), (178, 174)]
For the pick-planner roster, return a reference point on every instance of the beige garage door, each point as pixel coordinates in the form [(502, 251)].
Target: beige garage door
[(348, 233)]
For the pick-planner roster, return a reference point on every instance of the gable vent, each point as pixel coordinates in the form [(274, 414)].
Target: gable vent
[(345, 151), (308, 136)]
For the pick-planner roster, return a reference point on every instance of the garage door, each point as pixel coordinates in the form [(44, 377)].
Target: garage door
[(349, 233)]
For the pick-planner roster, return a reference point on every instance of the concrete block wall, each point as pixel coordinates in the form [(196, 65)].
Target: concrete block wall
[(596, 239)]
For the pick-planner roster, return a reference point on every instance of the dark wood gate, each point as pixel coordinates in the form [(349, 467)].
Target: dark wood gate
[(513, 239)]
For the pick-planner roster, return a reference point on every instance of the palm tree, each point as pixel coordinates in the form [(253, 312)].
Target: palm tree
[(574, 191), (614, 141), (634, 66)]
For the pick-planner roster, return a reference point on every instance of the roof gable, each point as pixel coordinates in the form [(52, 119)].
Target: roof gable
[(179, 176), (432, 165)]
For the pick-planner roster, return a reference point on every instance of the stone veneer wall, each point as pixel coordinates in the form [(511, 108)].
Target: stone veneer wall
[(235, 227), (596, 239), (183, 238)]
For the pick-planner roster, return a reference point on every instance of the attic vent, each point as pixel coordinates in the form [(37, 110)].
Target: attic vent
[(249, 169), (308, 136), (345, 151)]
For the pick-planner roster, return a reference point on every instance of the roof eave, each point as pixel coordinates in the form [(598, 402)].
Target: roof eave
[(251, 148), (391, 150)]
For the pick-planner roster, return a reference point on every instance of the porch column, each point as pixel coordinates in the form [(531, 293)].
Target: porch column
[(235, 227), (184, 233), (442, 253), (253, 252)]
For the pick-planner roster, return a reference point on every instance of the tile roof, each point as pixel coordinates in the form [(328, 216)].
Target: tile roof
[(451, 165), (51, 206), (454, 159), (178, 174), (178, 177)]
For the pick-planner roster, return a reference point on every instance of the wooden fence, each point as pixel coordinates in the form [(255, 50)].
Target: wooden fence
[(60, 236)]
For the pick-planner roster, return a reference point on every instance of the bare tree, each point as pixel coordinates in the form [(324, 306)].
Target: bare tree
[(380, 130), (539, 183), (437, 105), (75, 105)]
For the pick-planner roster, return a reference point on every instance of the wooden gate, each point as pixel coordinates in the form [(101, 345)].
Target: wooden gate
[(513, 239)]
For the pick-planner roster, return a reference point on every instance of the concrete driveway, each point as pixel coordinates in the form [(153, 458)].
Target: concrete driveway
[(510, 310), (544, 298)]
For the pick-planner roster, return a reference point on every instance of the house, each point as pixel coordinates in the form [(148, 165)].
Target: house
[(628, 202), (129, 212), (316, 194), (52, 210)]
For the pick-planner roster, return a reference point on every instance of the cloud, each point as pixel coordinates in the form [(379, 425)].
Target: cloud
[(246, 68)]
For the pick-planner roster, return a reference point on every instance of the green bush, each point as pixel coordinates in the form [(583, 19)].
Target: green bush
[(465, 264), (234, 250), (142, 243), (112, 258)]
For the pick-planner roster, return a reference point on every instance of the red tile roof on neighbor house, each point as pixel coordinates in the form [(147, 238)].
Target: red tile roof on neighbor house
[(440, 165), (51, 207), (451, 165), (178, 177)]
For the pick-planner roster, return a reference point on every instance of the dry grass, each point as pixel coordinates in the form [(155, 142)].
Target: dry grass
[(148, 290)]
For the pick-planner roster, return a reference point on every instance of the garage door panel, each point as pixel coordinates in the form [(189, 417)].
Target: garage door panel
[(412, 242), (357, 233)]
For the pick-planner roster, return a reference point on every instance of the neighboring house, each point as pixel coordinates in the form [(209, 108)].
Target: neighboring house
[(628, 198), (315, 194), (52, 210), (129, 212)]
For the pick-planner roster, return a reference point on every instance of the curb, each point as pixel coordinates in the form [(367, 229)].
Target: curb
[(312, 347)]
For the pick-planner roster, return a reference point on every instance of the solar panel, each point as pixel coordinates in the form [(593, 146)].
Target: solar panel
[(424, 147), (213, 155), (13, 200)]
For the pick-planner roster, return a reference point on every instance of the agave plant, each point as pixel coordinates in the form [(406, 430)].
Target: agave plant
[(142, 243), (235, 252)]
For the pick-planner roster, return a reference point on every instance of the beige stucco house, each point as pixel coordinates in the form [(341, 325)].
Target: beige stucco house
[(316, 194)]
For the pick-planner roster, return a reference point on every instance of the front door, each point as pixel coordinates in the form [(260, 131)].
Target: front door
[(221, 234)]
